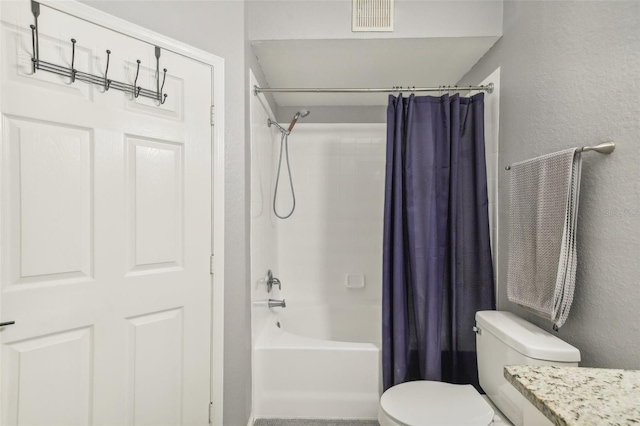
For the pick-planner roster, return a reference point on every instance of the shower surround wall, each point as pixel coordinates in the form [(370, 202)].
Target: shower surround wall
[(335, 231), (263, 235), (335, 234), (334, 237)]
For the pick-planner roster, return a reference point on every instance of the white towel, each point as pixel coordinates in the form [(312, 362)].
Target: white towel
[(543, 210)]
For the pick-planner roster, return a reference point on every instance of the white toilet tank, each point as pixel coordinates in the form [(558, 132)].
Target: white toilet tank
[(503, 338)]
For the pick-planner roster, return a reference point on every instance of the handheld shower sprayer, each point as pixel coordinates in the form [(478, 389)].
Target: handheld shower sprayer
[(284, 146), (302, 113)]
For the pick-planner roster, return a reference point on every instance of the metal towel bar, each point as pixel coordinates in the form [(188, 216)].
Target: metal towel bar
[(603, 148)]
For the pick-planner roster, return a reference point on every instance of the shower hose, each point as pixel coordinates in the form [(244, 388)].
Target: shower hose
[(284, 142)]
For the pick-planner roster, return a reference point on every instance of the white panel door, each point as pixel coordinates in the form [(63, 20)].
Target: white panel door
[(105, 225)]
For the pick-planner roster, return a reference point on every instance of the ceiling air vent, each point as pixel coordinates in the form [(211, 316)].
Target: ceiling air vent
[(372, 15)]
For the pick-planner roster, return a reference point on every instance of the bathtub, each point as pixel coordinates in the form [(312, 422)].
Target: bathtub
[(319, 362)]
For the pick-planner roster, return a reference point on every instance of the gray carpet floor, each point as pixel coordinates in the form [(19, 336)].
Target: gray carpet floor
[(314, 422)]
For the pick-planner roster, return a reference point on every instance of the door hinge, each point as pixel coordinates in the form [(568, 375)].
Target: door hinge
[(211, 265), (213, 115), (210, 412)]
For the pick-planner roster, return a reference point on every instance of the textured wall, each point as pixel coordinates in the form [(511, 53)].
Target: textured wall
[(569, 75)]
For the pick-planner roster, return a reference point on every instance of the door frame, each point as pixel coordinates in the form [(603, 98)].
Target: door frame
[(97, 17)]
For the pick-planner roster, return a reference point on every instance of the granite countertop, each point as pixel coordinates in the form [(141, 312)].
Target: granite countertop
[(580, 396)]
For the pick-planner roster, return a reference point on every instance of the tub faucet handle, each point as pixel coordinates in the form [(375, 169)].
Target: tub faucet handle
[(277, 282), (271, 281)]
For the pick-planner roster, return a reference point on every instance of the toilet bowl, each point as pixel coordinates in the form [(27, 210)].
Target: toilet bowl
[(501, 338), (426, 403)]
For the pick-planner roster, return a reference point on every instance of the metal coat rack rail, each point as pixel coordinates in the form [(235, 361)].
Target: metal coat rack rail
[(104, 81)]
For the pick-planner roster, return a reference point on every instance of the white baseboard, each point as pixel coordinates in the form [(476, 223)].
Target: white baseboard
[(251, 420)]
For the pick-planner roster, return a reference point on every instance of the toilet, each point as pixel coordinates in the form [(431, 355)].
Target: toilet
[(502, 338)]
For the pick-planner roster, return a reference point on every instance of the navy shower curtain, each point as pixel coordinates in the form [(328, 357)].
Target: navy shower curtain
[(437, 269)]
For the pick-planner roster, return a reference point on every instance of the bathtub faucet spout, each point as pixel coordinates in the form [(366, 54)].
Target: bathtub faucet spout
[(273, 303)]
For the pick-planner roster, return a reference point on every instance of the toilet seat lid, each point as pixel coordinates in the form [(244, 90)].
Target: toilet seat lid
[(423, 403)]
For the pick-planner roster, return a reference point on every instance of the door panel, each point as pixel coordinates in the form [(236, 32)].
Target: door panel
[(156, 191), (105, 220), (157, 381), (34, 398), (51, 190)]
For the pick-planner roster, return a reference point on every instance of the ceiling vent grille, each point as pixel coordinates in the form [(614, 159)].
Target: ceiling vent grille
[(372, 15)]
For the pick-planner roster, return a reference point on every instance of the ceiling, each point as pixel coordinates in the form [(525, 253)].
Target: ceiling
[(364, 63)]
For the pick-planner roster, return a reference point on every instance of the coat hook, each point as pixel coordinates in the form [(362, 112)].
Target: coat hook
[(73, 59), (74, 74), (107, 82), (163, 98), (136, 88), (33, 46)]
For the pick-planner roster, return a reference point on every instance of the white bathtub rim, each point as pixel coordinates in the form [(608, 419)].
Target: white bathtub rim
[(302, 308), (274, 337)]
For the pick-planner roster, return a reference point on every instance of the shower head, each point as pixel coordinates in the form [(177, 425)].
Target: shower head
[(302, 113)]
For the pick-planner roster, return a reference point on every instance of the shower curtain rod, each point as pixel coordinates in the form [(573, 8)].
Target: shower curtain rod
[(486, 88)]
